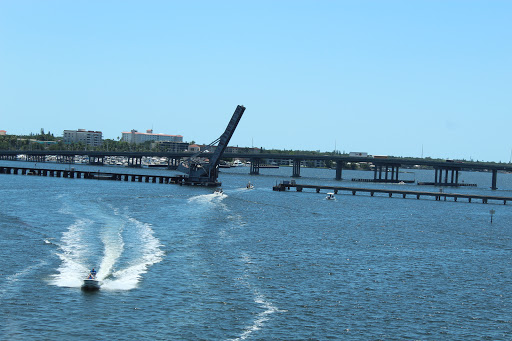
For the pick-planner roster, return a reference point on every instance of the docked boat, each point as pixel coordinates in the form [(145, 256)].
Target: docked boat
[(91, 283), (330, 196)]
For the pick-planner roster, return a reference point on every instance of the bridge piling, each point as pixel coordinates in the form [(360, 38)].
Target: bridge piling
[(296, 168), (339, 170), (494, 179)]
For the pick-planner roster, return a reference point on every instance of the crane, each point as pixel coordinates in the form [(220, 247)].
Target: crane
[(202, 172)]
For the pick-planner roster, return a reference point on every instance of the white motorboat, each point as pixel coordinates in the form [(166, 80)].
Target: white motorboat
[(219, 191), (249, 185), (330, 196), (91, 283)]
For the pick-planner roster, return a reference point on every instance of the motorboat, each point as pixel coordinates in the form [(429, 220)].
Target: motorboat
[(330, 196), (91, 283), (249, 185), (219, 191)]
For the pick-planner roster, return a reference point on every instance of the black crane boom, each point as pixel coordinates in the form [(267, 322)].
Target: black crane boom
[(202, 173)]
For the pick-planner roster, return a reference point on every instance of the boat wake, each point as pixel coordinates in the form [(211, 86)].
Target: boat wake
[(267, 307), (212, 198), (122, 247), (72, 252), (128, 277), (10, 287)]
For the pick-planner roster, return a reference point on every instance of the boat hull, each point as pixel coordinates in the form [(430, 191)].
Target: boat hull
[(91, 285)]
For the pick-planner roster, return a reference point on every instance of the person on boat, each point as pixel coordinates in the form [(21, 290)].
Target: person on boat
[(90, 276), (93, 272)]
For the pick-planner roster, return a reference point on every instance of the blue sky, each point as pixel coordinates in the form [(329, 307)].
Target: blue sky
[(383, 77)]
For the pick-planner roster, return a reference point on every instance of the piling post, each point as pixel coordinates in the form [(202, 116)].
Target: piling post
[(339, 169), (296, 168), (494, 179), (255, 166)]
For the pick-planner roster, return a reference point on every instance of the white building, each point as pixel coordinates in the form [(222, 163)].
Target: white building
[(87, 137), (135, 137)]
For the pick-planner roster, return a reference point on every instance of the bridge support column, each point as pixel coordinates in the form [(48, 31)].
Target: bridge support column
[(339, 170), (296, 168), (134, 161), (377, 172), (255, 166), (494, 179)]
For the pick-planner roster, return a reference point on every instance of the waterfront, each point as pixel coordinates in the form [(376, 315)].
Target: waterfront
[(181, 263)]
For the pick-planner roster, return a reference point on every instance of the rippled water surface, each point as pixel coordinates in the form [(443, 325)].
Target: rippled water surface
[(183, 263)]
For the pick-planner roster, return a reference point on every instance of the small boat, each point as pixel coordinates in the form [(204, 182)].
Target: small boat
[(91, 283), (330, 196), (249, 185), (219, 191)]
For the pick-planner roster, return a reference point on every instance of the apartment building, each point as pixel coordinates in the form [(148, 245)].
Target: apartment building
[(135, 137), (87, 137)]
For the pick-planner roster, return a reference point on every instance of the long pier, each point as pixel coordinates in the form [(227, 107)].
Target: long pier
[(98, 175), (390, 192)]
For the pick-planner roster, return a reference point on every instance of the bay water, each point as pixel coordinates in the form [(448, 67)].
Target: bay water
[(181, 263)]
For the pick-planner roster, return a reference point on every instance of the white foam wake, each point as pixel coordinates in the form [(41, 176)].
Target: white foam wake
[(72, 252), (260, 299), (207, 198), (149, 253), (112, 239), (10, 287)]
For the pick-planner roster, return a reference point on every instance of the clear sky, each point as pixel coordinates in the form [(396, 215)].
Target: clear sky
[(383, 77)]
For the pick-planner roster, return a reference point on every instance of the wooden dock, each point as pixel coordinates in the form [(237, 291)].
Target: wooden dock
[(74, 174), (390, 192)]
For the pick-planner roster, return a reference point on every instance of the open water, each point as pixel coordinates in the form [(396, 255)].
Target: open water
[(180, 263)]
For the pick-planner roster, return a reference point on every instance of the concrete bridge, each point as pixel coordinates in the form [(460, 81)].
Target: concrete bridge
[(446, 173)]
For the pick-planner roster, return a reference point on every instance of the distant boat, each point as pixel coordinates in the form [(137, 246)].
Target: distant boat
[(237, 163), (330, 196), (219, 191), (249, 185)]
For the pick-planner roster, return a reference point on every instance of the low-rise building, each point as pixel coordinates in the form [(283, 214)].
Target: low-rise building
[(171, 147), (135, 137), (87, 137), (194, 148)]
